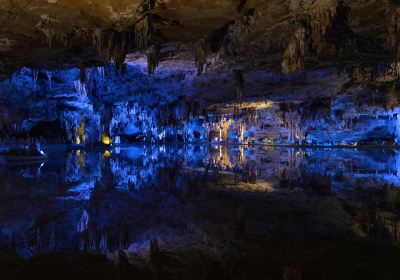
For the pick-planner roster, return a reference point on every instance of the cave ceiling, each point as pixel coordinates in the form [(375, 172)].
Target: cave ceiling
[(328, 42)]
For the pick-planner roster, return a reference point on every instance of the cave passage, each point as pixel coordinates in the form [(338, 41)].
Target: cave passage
[(198, 139)]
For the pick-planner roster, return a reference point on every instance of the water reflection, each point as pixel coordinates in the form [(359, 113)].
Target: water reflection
[(122, 198)]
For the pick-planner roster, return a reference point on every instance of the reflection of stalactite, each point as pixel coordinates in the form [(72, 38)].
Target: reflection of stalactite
[(83, 222), (153, 59), (383, 225), (240, 223), (200, 55), (290, 273)]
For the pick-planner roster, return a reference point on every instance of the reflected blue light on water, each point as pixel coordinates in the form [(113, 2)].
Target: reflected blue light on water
[(44, 203)]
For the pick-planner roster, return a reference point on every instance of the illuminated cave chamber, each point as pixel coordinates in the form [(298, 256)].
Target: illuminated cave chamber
[(313, 79)]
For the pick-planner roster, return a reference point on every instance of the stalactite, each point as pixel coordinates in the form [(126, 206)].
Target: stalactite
[(200, 55), (340, 33), (320, 21), (239, 83), (83, 222), (96, 37), (393, 29), (293, 57), (308, 28), (49, 75), (81, 90), (290, 273), (230, 40), (114, 46), (363, 75), (49, 35), (35, 75), (101, 72), (153, 58), (142, 32), (292, 119), (82, 75)]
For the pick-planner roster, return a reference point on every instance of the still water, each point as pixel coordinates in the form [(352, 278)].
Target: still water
[(107, 200)]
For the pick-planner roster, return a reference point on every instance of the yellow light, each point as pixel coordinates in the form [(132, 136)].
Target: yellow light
[(107, 153), (105, 139), (78, 140), (81, 129)]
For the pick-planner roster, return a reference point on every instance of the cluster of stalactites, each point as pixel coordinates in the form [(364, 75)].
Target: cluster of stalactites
[(293, 119), (310, 27), (320, 21), (113, 46), (142, 32), (110, 44), (393, 30), (293, 57)]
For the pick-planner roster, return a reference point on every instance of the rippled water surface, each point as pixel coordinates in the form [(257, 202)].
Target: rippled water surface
[(195, 197)]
